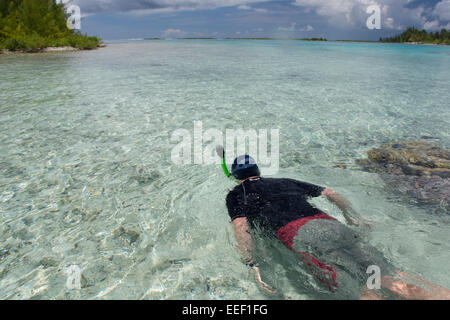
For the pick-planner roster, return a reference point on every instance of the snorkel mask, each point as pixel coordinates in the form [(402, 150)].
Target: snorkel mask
[(243, 167)]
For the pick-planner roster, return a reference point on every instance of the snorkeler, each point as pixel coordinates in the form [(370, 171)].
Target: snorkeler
[(333, 252)]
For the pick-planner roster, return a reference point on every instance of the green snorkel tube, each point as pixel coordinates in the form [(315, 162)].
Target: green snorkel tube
[(221, 153)]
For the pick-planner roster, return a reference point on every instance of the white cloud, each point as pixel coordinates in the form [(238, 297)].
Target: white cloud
[(440, 15), (147, 6), (308, 28), (173, 33), (290, 28), (244, 7), (293, 27), (431, 25), (247, 7), (442, 10), (389, 23), (261, 10), (328, 8), (394, 13), (340, 13)]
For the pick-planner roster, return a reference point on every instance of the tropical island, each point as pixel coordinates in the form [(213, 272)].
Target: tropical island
[(413, 35), (36, 25)]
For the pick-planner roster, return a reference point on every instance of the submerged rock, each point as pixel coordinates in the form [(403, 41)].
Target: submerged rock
[(129, 237), (94, 275), (4, 252), (48, 262), (418, 169)]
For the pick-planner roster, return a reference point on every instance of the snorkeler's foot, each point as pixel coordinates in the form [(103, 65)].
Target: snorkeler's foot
[(412, 292), (438, 292)]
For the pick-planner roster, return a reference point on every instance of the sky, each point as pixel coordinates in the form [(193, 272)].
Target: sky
[(333, 19)]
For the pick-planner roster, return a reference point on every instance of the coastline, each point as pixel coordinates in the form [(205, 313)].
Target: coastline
[(417, 43), (297, 39), (48, 50), (73, 49)]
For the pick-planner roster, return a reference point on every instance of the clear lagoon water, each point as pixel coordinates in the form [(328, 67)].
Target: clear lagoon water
[(86, 177)]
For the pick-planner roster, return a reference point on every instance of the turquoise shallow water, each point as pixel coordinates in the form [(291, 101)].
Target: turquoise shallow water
[(86, 176)]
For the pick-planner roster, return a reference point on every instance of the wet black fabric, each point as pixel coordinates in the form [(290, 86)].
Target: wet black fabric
[(272, 203)]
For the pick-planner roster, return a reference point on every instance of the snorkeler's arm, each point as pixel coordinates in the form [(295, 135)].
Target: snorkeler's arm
[(350, 215), (244, 239)]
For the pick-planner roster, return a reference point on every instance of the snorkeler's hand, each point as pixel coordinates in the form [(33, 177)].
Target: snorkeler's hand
[(364, 223), (355, 219), (264, 286)]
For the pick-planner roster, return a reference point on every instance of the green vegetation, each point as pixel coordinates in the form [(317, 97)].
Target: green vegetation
[(420, 36), (314, 39), (30, 25)]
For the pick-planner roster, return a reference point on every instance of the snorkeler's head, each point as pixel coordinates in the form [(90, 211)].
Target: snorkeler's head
[(245, 167)]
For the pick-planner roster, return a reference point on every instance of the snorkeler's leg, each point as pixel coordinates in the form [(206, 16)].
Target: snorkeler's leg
[(370, 295), (342, 247), (319, 243), (399, 286), (436, 289), (399, 283)]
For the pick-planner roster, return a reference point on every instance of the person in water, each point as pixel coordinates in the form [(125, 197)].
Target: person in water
[(330, 250)]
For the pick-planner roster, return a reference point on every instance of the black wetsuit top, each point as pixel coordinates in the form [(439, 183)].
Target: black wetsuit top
[(272, 203)]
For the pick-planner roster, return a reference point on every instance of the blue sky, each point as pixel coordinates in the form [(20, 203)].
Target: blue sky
[(334, 19)]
